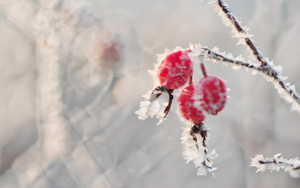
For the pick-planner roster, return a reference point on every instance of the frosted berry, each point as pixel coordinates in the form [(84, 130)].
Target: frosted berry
[(213, 91), (174, 70), (186, 102)]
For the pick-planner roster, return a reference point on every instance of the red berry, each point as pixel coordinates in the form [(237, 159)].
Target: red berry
[(213, 91), (186, 105), (174, 70)]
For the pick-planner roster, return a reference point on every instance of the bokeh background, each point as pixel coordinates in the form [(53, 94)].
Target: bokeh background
[(72, 74)]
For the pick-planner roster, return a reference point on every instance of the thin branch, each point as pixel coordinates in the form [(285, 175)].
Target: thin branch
[(240, 29), (269, 72), (277, 162)]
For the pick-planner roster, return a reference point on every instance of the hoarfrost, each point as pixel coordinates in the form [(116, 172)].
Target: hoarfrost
[(197, 153), (151, 108), (271, 74), (276, 163)]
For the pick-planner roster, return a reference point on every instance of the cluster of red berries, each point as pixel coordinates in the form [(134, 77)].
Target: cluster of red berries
[(208, 96)]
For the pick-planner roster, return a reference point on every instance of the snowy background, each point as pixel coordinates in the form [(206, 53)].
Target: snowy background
[(72, 74)]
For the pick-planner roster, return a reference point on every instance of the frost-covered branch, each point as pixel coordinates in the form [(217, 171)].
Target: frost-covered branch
[(238, 30), (265, 66), (277, 162), (195, 149), (270, 73), (195, 101)]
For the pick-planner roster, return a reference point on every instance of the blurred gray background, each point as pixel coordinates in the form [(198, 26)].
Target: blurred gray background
[(67, 111)]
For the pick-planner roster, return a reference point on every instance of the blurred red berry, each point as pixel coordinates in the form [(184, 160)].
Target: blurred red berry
[(175, 70), (213, 91), (186, 105)]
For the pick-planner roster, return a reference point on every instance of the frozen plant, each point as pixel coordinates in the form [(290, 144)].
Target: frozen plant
[(195, 102), (208, 96)]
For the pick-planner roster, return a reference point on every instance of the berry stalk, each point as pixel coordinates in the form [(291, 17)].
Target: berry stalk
[(203, 70)]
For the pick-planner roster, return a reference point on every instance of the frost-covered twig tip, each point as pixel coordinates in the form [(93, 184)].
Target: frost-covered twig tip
[(277, 162)]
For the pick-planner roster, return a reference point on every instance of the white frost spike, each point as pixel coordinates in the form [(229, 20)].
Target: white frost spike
[(147, 95), (240, 58), (283, 78), (295, 106), (202, 171), (278, 68), (215, 49), (242, 35), (213, 154), (293, 88), (196, 51), (235, 67)]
